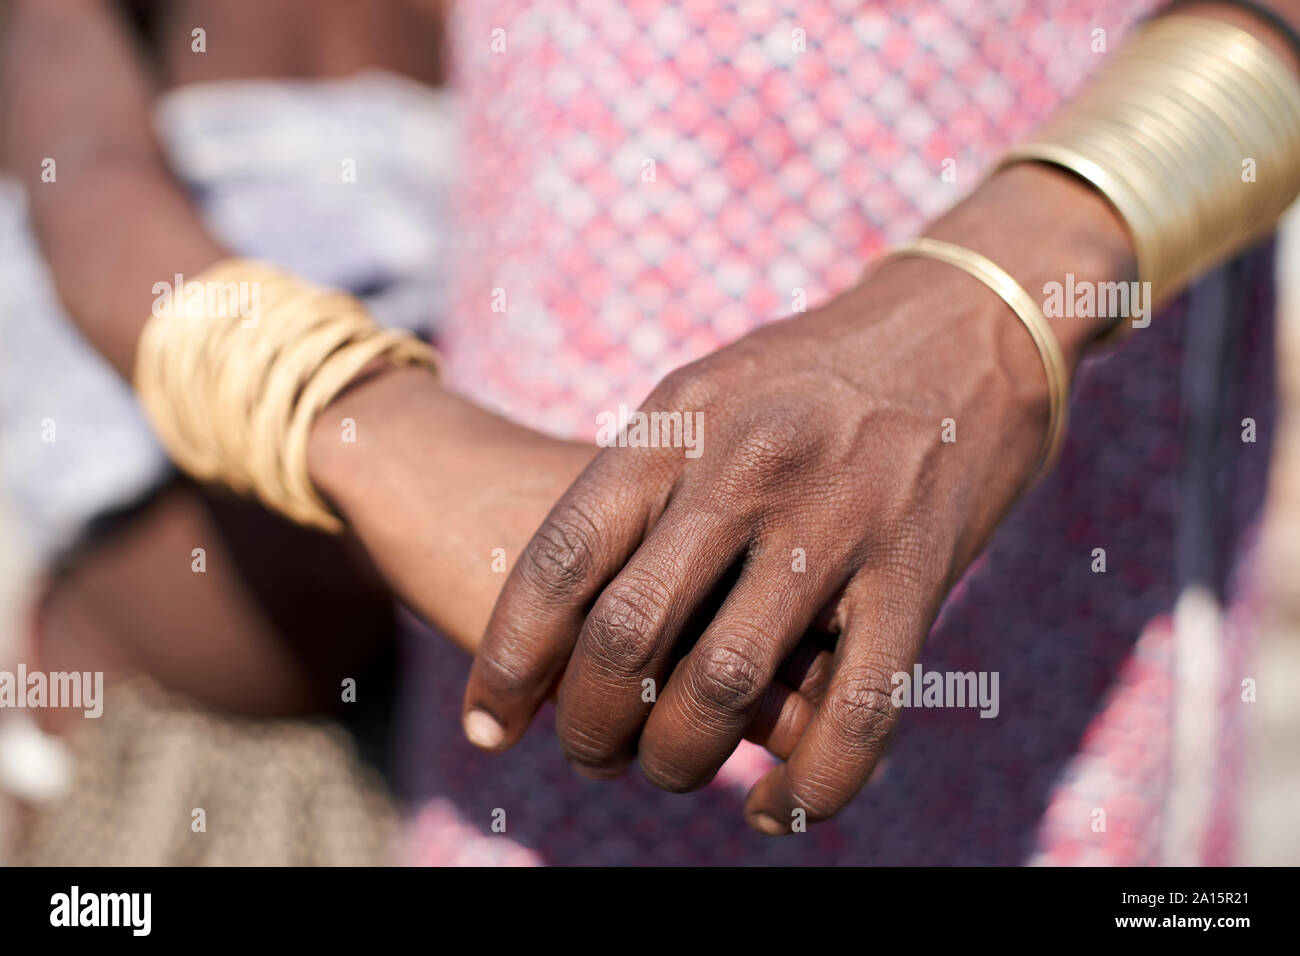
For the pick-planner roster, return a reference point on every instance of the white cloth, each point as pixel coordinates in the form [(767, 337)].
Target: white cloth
[(345, 181)]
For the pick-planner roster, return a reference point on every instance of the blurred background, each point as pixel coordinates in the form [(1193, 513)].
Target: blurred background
[(1272, 819), (314, 792), (37, 773)]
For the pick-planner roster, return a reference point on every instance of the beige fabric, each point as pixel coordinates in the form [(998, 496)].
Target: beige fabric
[(275, 792)]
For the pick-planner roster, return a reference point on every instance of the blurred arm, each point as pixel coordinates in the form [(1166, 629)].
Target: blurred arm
[(113, 221)]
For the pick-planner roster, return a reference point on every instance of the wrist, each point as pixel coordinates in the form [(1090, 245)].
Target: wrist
[(1039, 225), (397, 435), (432, 486), (1053, 233), (355, 438)]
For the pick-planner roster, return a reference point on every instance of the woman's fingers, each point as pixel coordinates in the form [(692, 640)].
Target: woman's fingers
[(780, 720), (790, 701), (626, 644), (715, 692), (885, 628), (808, 669), (583, 542)]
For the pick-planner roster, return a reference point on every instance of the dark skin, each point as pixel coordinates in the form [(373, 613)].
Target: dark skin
[(282, 612), (824, 433), (434, 484)]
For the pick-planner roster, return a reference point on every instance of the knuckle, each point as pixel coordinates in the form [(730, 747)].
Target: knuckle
[(770, 445), (729, 678), (623, 625), (863, 707), (560, 557), (775, 440), (685, 388)]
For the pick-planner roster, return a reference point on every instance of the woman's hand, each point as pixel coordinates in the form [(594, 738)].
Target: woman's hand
[(445, 495), (826, 482)]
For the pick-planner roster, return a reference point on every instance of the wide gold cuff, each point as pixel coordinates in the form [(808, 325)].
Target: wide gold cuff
[(1192, 133)]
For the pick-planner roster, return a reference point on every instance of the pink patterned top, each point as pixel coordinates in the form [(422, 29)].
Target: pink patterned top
[(647, 181)]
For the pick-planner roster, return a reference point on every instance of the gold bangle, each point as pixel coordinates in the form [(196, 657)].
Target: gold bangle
[(1029, 314), (1164, 133), (233, 400)]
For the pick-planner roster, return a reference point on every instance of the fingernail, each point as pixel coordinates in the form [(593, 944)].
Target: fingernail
[(483, 730), (766, 823)]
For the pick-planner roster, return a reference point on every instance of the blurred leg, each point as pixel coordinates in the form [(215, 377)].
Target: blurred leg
[(273, 622)]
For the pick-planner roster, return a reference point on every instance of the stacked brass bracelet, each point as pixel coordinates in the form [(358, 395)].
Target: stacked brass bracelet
[(1168, 132), (232, 395)]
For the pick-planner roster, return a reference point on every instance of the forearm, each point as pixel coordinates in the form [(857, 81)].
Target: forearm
[(111, 221), (438, 490), (444, 494), (1040, 224), (106, 255)]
